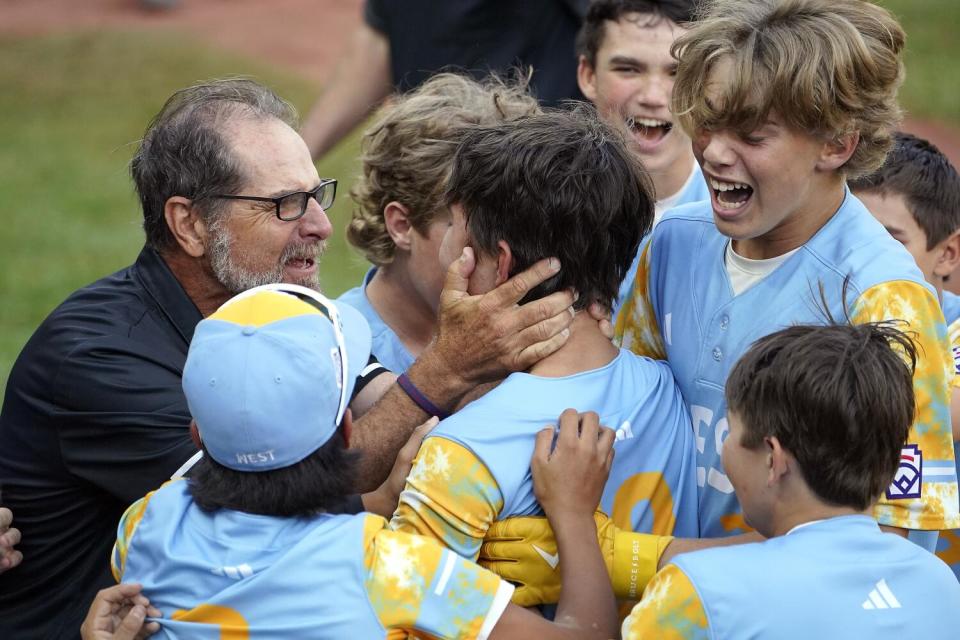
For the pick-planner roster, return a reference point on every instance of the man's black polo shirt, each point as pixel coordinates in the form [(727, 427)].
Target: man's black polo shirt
[(94, 417)]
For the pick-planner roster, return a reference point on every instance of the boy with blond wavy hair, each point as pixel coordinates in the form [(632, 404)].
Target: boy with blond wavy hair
[(400, 217), (784, 101)]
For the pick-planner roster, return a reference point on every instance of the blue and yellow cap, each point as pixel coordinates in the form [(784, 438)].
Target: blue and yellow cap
[(269, 375)]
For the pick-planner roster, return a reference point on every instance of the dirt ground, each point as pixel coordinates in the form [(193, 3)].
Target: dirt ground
[(304, 35)]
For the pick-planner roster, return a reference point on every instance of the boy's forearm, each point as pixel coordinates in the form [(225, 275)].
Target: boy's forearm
[(586, 597), (685, 545)]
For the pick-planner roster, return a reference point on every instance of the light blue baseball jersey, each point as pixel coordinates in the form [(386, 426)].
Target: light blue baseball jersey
[(386, 345), (948, 545), (684, 308), (227, 574), (836, 578), (474, 467), (695, 190)]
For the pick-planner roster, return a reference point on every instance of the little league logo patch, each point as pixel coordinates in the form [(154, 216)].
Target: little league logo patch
[(908, 479), (956, 361)]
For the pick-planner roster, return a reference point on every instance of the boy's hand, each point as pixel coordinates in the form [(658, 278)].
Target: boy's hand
[(523, 551), (119, 613), (569, 480), (9, 538), (385, 499)]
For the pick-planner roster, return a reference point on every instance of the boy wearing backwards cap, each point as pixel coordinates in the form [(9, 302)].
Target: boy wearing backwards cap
[(247, 546)]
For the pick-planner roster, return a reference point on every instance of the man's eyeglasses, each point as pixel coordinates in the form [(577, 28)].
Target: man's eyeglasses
[(292, 206)]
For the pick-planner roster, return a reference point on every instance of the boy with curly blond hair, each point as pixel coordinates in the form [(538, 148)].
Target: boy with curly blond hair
[(400, 217)]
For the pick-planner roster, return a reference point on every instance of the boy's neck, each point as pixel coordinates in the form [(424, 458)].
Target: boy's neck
[(799, 505), (395, 299), (669, 183), (586, 349), (797, 230)]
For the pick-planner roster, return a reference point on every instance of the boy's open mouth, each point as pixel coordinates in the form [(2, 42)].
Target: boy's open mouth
[(650, 130), (730, 195)]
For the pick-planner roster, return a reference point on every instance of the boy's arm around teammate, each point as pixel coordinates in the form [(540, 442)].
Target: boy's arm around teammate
[(568, 482)]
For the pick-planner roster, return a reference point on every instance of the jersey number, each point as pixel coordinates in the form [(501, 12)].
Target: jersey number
[(713, 476), (649, 486), (233, 626)]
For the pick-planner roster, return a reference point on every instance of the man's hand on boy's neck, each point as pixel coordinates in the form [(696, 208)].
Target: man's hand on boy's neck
[(588, 348)]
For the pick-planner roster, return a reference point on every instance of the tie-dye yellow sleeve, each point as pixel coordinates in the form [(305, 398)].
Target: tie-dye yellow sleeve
[(450, 496), (923, 494), (670, 610), (414, 584), (128, 525), (637, 328), (953, 335)]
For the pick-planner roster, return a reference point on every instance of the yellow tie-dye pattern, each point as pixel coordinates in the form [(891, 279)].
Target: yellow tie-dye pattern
[(909, 301), (400, 568), (450, 496), (637, 328), (670, 610), (953, 335), (230, 623), (128, 525)]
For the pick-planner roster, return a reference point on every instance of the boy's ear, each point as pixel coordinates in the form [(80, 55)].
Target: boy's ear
[(396, 218), (777, 461), (346, 427), (195, 433), (587, 79), (504, 261), (836, 152), (949, 258)]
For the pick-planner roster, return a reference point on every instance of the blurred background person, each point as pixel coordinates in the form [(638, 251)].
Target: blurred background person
[(401, 44)]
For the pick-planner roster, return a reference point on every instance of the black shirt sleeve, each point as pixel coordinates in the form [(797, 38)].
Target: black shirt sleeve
[(371, 371), (123, 419)]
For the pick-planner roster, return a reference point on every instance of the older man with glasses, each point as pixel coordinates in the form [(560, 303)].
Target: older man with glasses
[(94, 414)]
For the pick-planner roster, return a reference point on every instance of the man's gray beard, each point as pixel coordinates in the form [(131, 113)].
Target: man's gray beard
[(236, 278)]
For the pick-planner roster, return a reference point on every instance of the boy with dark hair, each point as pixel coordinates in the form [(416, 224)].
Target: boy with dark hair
[(626, 70), (248, 547), (818, 418), (563, 184), (916, 196)]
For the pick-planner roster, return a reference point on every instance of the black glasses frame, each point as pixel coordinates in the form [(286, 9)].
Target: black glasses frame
[(314, 193)]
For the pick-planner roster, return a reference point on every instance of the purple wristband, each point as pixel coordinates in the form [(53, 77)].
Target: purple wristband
[(419, 399)]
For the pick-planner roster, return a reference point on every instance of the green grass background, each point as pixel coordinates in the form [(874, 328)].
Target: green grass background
[(73, 106)]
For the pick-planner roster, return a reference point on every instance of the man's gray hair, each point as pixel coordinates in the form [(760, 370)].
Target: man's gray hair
[(184, 152)]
